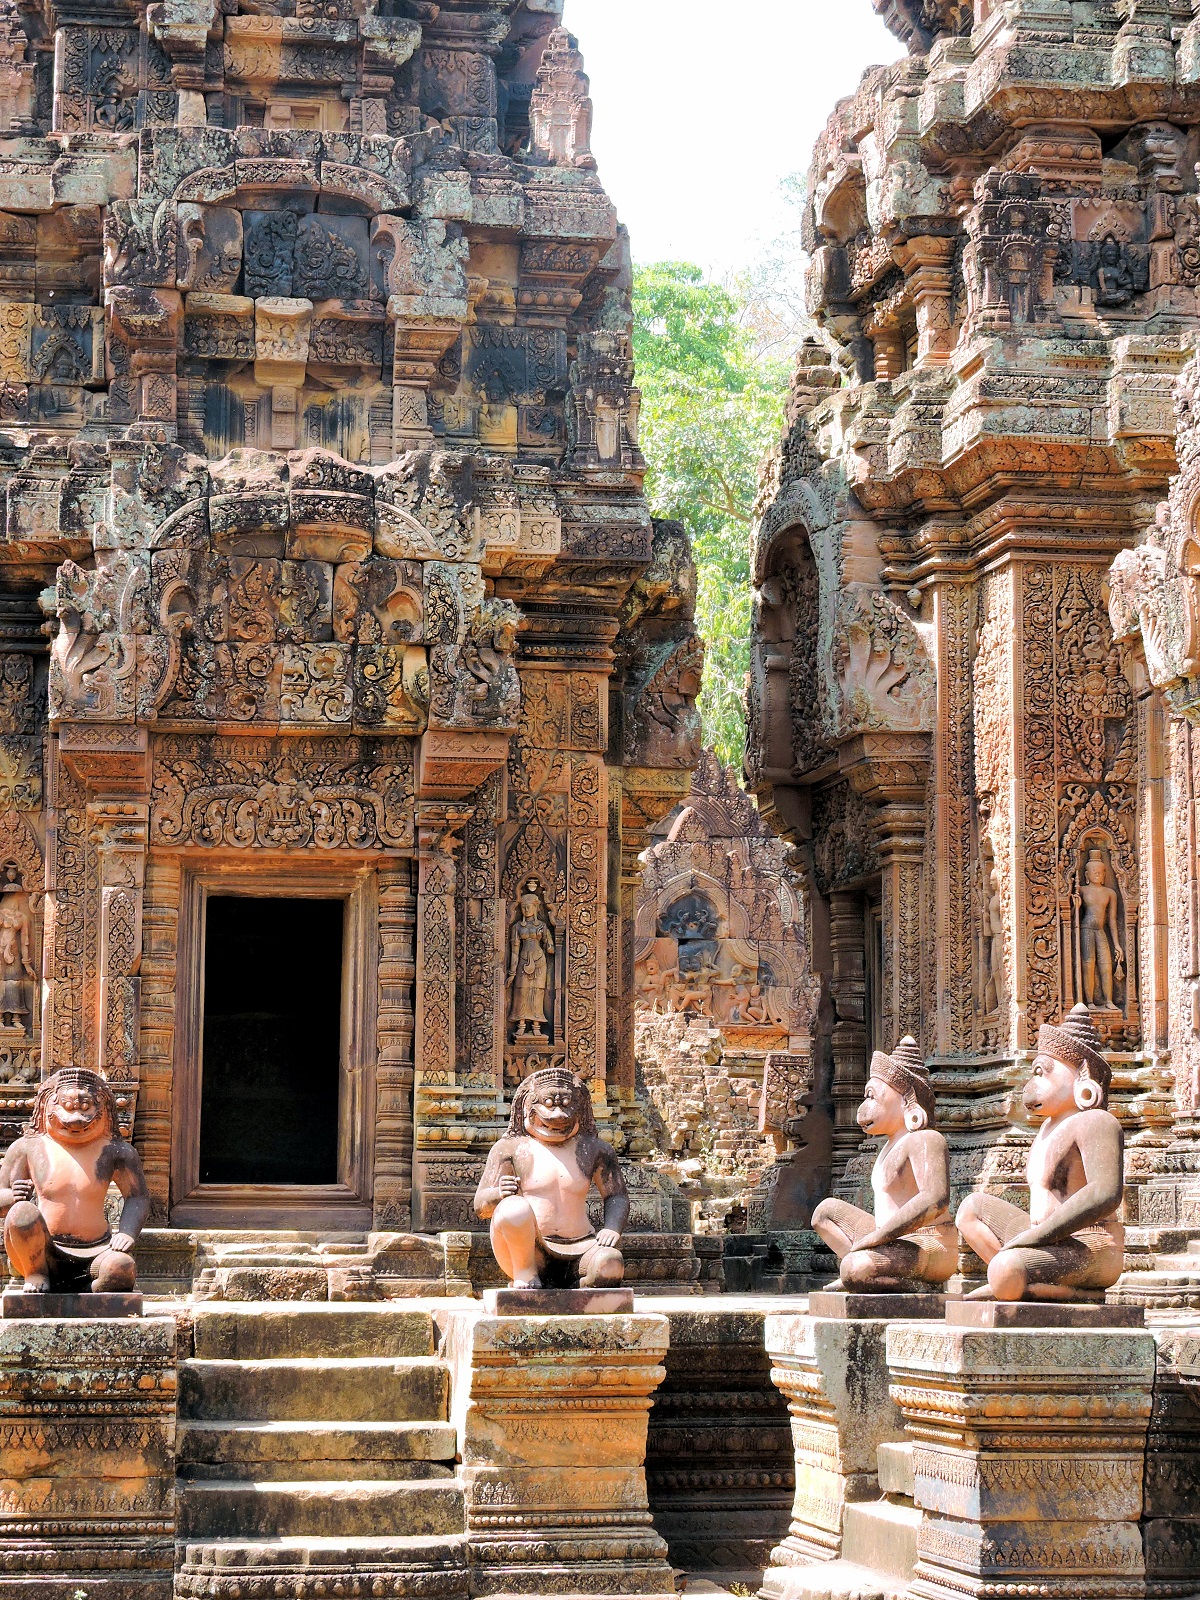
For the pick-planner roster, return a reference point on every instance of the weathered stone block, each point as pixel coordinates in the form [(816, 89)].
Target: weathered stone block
[(834, 1374), (1028, 1455), (552, 1415), (87, 1442)]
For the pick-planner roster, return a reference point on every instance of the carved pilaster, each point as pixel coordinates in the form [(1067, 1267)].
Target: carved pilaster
[(394, 1068), (849, 989), (481, 1024), (586, 941), (890, 770), (98, 831), (929, 282), (438, 828), (952, 1007), (118, 830)]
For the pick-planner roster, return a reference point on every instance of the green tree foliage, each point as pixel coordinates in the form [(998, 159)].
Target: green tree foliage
[(712, 405)]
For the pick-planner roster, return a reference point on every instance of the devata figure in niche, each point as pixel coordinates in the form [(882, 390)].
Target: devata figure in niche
[(993, 925), (909, 1245), (1072, 1247), (16, 966), (535, 1188), (530, 960), (53, 1182), (1100, 952)]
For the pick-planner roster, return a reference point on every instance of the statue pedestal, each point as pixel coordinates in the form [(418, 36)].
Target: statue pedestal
[(87, 1446), (1042, 1314), (558, 1302), (21, 1303), (552, 1413), (834, 1374), (843, 1307), (1028, 1451)]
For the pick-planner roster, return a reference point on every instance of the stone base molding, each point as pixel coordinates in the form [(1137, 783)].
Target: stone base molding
[(834, 1374), (1028, 1455), (87, 1446), (552, 1415)]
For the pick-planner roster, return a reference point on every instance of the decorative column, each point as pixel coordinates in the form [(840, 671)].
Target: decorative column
[(87, 1436), (835, 1378), (1028, 1453), (552, 1413), (394, 1068), (891, 771), (437, 1095)]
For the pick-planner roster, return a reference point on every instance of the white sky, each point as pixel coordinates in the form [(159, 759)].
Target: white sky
[(702, 106)]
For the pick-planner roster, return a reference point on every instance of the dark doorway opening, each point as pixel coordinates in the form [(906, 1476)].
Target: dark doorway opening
[(272, 1040)]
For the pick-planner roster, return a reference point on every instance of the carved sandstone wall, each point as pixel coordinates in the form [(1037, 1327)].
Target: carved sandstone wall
[(992, 815), (319, 445)]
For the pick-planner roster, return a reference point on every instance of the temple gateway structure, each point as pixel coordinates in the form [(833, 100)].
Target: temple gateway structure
[(342, 669), (976, 559), (347, 688)]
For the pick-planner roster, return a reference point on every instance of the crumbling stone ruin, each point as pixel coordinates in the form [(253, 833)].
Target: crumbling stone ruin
[(726, 1002)]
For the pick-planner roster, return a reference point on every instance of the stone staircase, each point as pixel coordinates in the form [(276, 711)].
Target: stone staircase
[(315, 1455), (879, 1544), (1168, 1278)]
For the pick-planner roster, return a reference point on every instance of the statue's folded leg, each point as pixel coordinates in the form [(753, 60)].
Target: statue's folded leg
[(113, 1272), (601, 1267), (26, 1243), (515, 1242), (841, 1225), (1090, 1261), (929, 1256), (987, 1223)]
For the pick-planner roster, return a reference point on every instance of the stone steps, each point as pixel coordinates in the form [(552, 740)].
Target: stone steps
[(316, 1455), (316, 1450), (348, 1508), (311, 1328), (295, 1389), (831, 1580), (882, 1536), (304, 1569)]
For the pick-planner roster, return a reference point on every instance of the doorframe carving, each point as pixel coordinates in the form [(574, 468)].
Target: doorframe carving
[(342, 1205)]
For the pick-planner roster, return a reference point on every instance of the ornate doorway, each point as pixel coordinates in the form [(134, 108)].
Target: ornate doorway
[(274, 1111), (270, 1065)]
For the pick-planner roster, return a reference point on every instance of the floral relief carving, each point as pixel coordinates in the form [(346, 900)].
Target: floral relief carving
[(324, 793)]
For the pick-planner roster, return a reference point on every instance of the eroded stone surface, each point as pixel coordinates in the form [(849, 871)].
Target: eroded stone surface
[(87, 1418)]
